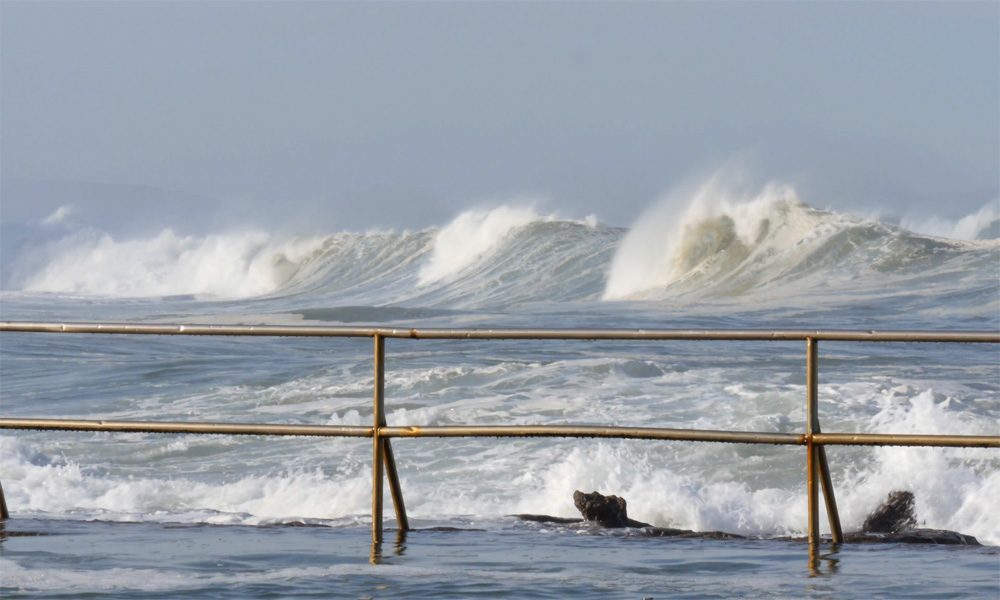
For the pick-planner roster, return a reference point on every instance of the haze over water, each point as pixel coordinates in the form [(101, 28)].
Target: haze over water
[(716, 166)]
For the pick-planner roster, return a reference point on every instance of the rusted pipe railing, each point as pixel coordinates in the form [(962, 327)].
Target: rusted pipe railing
[(4, 513), (787, 335), (383, 453), (816, 454), (817, 468), (506, 431), (378, 446), (402, 523), (812, 399), (184, 427)]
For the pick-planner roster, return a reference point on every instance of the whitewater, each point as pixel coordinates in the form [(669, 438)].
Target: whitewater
[(210, 515)]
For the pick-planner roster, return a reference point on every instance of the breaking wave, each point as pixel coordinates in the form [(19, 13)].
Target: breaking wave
[(469, 237), (710, 240), (716, 239)]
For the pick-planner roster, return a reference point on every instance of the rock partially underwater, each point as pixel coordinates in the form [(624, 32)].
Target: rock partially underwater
[(894, 521), (607, 511)]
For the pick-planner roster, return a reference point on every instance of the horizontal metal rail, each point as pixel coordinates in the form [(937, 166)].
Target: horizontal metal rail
[(182, 427), (817, 468), (507, 334), (891, 439), (498, 431)]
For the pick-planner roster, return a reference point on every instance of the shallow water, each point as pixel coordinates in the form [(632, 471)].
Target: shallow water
[(74, 559)]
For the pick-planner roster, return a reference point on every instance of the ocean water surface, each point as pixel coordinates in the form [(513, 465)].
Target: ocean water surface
[(155, 516)]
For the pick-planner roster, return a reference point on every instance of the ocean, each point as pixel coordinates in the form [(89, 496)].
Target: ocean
[(129, 515)]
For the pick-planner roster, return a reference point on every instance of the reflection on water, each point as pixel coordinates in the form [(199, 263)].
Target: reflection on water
[(503, 559), (817, 560), (398, 548)]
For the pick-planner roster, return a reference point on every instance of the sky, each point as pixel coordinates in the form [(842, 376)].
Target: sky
[(344, 115)]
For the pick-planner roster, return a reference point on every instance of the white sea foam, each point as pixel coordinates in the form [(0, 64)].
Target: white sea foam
[(982, 224), (716, 230), (714, 239), (699, 487), (221, 265), (64, 488), (470, 236)]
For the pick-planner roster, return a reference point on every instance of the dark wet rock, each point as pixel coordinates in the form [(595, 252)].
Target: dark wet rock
[(914, 536), (891, 523), (607, 511), (687, 533), (4, 534), (547, 519), (895, 515)]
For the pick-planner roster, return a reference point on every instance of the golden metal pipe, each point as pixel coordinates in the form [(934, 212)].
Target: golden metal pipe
[(395, 489), (378, 448), (818, 460), (182, 427), (892, 439), (590, 431), (507, 334), (832, 512), (4, 513), (567, 431), (812, 393)]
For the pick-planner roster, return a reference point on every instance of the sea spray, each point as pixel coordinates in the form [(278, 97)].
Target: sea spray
[(218, 265), (471, 235), (711, 242), (713, 233), (983, 224)]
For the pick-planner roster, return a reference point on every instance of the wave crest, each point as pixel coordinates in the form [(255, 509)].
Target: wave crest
[(983, 224), (220, 266), (471, 235), (713, 231)]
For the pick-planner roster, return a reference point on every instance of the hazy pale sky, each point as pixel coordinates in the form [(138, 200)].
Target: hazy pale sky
[(401, 114)]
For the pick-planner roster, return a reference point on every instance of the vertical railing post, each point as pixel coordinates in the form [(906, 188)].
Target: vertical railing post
[(4, 514), (378, 448), (812, 392), (394, 488), (382, 453), (818, 464), (832, 513)]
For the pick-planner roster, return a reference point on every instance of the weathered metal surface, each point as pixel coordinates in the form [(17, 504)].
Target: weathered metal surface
[(812, 461), (569, 431), (388, 457), (379, 448), (826, 482), (4, 514), (395, 489), (592, 431), (180, 427), (505, 334), (890, 439)]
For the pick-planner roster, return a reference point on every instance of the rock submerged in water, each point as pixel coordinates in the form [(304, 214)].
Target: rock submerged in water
[(892, 522), (611, 512)]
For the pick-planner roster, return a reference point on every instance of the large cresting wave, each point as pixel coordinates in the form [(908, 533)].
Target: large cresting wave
[(715, 238), (708, 240)]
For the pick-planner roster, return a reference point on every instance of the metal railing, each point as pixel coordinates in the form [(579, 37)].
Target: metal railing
[(817, 469)]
